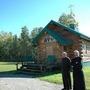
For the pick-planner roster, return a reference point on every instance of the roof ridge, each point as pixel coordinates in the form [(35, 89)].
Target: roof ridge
[(71, 30)]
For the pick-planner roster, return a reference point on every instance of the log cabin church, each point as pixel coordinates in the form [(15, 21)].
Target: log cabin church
[(56, 38)]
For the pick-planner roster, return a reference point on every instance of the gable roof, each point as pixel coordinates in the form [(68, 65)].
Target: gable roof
[(70, 30), (59, 38)]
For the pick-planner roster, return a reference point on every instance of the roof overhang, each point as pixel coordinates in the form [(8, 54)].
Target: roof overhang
[(57, 36)]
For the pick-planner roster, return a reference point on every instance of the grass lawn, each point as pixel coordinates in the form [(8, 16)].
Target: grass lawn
[(87, 77), (7, 67), (55, 77)]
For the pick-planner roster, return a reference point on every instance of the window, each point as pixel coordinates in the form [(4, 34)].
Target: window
[(48, 39)]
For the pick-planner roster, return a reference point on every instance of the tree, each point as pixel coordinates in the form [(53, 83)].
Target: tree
[(25, 42), (14, 51), (68, 19), (36, 31), (5, 44)]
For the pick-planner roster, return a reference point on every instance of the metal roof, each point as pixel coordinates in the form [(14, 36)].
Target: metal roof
[(59, 38)]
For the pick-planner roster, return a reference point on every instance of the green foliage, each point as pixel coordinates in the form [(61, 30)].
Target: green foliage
[(5, 43), (25, 42), (68, 19), (14, 50), (36, 31), (12, 47)]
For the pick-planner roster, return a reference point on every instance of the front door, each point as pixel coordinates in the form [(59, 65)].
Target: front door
[(49, 50)]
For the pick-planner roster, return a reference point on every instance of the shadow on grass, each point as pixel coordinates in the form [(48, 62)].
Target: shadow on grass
[(12, 74), (48, 73), (26, 74)]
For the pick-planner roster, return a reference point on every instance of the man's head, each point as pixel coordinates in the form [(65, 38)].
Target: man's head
[(76, 53), (64, 54)]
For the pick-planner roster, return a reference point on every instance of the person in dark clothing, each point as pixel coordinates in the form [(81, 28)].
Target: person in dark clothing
[(78, 76), (65, 63)]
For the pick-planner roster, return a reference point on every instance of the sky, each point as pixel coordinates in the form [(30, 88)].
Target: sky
[(14, 14)]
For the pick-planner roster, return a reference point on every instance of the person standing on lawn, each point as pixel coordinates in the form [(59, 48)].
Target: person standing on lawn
[(65, 67), (78, 76)]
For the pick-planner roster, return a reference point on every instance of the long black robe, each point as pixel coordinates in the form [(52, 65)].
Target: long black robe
[(78, 76), (66, 73)]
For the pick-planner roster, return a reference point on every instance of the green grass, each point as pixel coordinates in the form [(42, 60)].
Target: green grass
[(87, 77), (53, 78), (8, 66), (57, 78)]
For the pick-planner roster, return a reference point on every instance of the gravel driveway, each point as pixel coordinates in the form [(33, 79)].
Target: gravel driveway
[(13, 83)]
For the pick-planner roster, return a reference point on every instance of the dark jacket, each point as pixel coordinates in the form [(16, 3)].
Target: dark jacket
[(65, 64), (78, 76), (66, 73)]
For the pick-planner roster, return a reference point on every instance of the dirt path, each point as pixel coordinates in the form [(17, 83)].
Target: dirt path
[(26, 84)]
